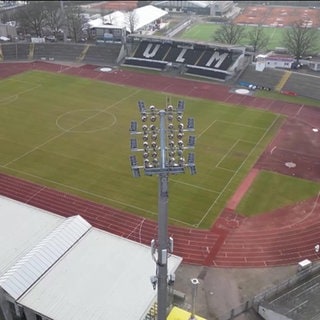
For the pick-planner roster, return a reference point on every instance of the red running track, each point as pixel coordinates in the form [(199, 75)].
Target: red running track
[(279, 238), (234, 241)]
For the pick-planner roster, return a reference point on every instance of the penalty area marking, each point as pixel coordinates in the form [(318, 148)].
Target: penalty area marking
[(95, 111), (274, 148)]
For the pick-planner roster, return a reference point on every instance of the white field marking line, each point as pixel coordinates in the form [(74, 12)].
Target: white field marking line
[(241, 124), (87, 131), (272, 34), (225, 169), (206, 129), (239, 140), (193, 186), (66, 131), (16, 96), (81, 190), (236, 172), (227, 153), (95, 195), (229, 122), (9, 99)]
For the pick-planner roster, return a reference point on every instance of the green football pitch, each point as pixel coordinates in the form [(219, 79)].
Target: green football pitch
[(72, 134), (205, 32)]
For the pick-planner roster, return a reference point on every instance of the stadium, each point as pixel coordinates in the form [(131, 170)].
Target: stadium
[(66, 110)]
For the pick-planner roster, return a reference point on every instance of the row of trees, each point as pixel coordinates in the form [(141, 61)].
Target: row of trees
[(298, 38), (40, 18)]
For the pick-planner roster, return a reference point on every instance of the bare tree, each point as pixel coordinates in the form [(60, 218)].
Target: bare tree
[(229, 33), (32, 17), (5, 17), (257, 38), (300, 39), (133, 20), (54, 18), (75, 21)]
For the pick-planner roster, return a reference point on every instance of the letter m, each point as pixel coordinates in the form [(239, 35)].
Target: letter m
[(217, 57)]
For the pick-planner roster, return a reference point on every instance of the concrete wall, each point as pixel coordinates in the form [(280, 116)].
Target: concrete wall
[(268, 314)]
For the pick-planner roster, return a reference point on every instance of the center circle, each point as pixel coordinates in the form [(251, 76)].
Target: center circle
[(86, 120)]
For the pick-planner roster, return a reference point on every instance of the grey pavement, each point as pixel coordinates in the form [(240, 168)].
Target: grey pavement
[(222, 289)]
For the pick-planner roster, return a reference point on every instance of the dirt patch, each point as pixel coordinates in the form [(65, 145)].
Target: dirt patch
[(242, 189), (278, 16), (295, 151)]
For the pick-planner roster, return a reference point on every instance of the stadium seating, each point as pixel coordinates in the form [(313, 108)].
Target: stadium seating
[(196, 59), (15, 51), (57, 51), (103, 54), (93, 54)]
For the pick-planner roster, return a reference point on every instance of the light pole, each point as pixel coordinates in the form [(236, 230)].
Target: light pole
[(162, 148)]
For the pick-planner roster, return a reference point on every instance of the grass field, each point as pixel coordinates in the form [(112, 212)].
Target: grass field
[(72, 134), (206, 31)]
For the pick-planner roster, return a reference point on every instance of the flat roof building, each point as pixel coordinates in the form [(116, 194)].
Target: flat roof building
[(59, 268)]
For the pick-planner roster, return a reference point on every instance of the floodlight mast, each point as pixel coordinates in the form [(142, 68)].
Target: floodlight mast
[(166, 165)]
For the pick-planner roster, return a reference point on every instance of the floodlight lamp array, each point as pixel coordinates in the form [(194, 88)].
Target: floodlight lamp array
[(163, 139)]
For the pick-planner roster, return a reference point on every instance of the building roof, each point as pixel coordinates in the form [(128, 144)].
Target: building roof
[(98, 276), (296, 299), (140, 16), (23, 274), (184, 4), (36, 225)]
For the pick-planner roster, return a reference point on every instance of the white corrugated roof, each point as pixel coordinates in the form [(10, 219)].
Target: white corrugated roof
[(140, 16), (21, 276), (21, 228), (103, 277)]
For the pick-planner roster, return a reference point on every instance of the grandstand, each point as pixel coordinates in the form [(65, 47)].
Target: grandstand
[(15, 51), (73, 52), (304, 84), (298, 301), (301, 83), (198, 59), (269, 78)]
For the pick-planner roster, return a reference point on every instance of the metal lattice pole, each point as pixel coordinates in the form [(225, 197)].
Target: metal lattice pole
[(166, 158)]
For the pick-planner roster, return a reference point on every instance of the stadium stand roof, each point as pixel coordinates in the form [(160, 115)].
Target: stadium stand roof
[(201, 4), (92, 274), (141, 16), (297, 302)]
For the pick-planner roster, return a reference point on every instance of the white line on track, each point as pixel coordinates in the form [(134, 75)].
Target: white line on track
[(125, 204), (274, 148), (300, 109)]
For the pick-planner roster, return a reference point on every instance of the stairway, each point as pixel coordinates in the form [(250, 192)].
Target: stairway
[(283, 80)]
